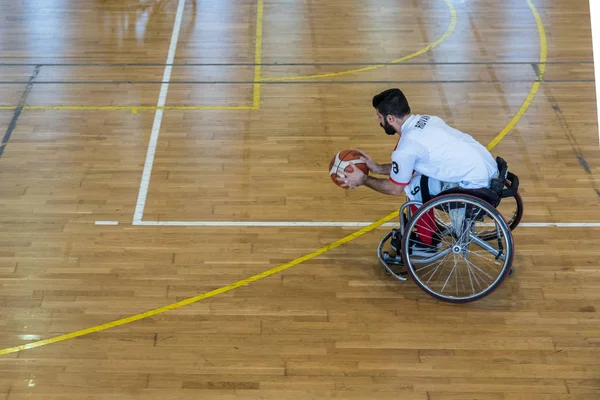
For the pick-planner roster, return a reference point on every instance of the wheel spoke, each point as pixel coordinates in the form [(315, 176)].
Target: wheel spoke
[(460, 218)]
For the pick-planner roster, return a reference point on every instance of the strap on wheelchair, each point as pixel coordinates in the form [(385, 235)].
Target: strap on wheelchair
[(504, 175), (497, 184), (425, 195), (514, 186)]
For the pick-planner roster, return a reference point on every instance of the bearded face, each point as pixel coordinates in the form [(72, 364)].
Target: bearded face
[(389, 129)]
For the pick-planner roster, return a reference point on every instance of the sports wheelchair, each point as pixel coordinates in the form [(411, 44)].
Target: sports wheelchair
[(472, 248)]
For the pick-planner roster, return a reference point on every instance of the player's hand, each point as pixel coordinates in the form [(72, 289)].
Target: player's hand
[(352, 179), (373, 166)]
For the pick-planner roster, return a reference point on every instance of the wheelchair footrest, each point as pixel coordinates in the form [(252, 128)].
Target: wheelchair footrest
[(392, 260)]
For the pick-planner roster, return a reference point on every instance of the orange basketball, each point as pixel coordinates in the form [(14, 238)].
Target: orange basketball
[(344, 162)]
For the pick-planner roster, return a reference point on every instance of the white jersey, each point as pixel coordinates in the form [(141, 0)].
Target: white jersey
[(428, 146)]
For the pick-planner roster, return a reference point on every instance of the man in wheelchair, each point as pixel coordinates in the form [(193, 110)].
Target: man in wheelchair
[(430, 158), (452, 240)]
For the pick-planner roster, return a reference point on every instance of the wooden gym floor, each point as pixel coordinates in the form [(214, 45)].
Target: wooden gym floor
[(118, 284)]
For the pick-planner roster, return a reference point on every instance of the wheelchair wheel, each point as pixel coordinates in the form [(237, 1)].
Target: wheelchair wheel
[(459, 266)]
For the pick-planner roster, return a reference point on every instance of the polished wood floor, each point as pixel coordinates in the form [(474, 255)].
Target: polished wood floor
[(79, 85)]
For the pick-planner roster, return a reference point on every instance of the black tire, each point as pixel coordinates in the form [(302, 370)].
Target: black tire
[(479, 203), (513, 221)]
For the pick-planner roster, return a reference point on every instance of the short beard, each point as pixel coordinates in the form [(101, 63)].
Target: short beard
[(390, 130)]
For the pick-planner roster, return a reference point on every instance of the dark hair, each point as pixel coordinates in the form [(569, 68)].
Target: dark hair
[(391, 102)]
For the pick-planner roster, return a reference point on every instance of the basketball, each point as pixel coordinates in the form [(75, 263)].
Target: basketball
[(344, 162)]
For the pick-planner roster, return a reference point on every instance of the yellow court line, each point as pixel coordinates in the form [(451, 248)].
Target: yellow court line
[(256, 96), (224, 289), (206, 295), (257, 54), (372, 67), (536, 84), (132, 109)]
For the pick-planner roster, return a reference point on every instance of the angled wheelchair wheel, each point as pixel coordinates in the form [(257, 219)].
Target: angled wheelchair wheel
[(459, 266)]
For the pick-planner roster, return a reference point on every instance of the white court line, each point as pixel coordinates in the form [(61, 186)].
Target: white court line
[(595, 20), (145, 182), (106, 222), (164, 87), (340, 224)]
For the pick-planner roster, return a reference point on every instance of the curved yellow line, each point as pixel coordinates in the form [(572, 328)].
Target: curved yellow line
[(372, 67), (536, 83), (202, 296), (369, 228)]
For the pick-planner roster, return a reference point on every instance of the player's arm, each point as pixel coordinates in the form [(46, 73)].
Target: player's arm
[(383, 169), (358, 178), (384, 186), (400, 175)]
